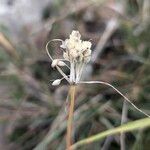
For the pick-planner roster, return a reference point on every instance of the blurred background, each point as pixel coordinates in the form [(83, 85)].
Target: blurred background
[(32, 111)]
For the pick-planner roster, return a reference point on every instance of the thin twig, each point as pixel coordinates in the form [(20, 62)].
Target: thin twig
[(112, 25), (123, 120), (107, 143)]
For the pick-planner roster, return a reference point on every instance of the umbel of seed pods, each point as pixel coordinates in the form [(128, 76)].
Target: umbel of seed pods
[(77, 52)]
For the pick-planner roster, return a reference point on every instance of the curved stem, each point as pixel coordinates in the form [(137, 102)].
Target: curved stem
[(70, 118), (105, 83), (48, 44), (58, 68)]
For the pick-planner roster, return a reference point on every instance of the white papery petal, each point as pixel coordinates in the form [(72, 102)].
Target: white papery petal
[(75, 35), (63, 45), (86, 45), (65, 55)]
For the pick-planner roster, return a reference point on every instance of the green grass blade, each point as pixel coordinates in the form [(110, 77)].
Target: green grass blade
[(142, 123)]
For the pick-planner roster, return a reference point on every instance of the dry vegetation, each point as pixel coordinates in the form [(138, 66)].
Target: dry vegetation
[(32, 111)]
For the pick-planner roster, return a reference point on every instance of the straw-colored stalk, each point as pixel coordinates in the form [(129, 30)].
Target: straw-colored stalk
[(70, 117)]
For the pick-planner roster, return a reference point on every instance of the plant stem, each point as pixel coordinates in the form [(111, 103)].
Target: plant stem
[(123, 120), (70, 118)]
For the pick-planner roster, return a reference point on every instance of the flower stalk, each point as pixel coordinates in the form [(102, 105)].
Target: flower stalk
[(77, 53), (70, 117)]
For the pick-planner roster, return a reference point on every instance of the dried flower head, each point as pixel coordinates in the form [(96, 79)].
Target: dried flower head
[(76, 49), (77, 52)]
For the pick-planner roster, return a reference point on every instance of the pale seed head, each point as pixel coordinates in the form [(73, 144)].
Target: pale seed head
[(77, 52), (76, 49)]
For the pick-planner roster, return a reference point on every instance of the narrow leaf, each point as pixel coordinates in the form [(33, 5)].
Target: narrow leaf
[(142, 123)]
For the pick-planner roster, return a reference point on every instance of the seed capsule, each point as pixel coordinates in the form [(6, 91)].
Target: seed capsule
[(58, 62), (56, 82)]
